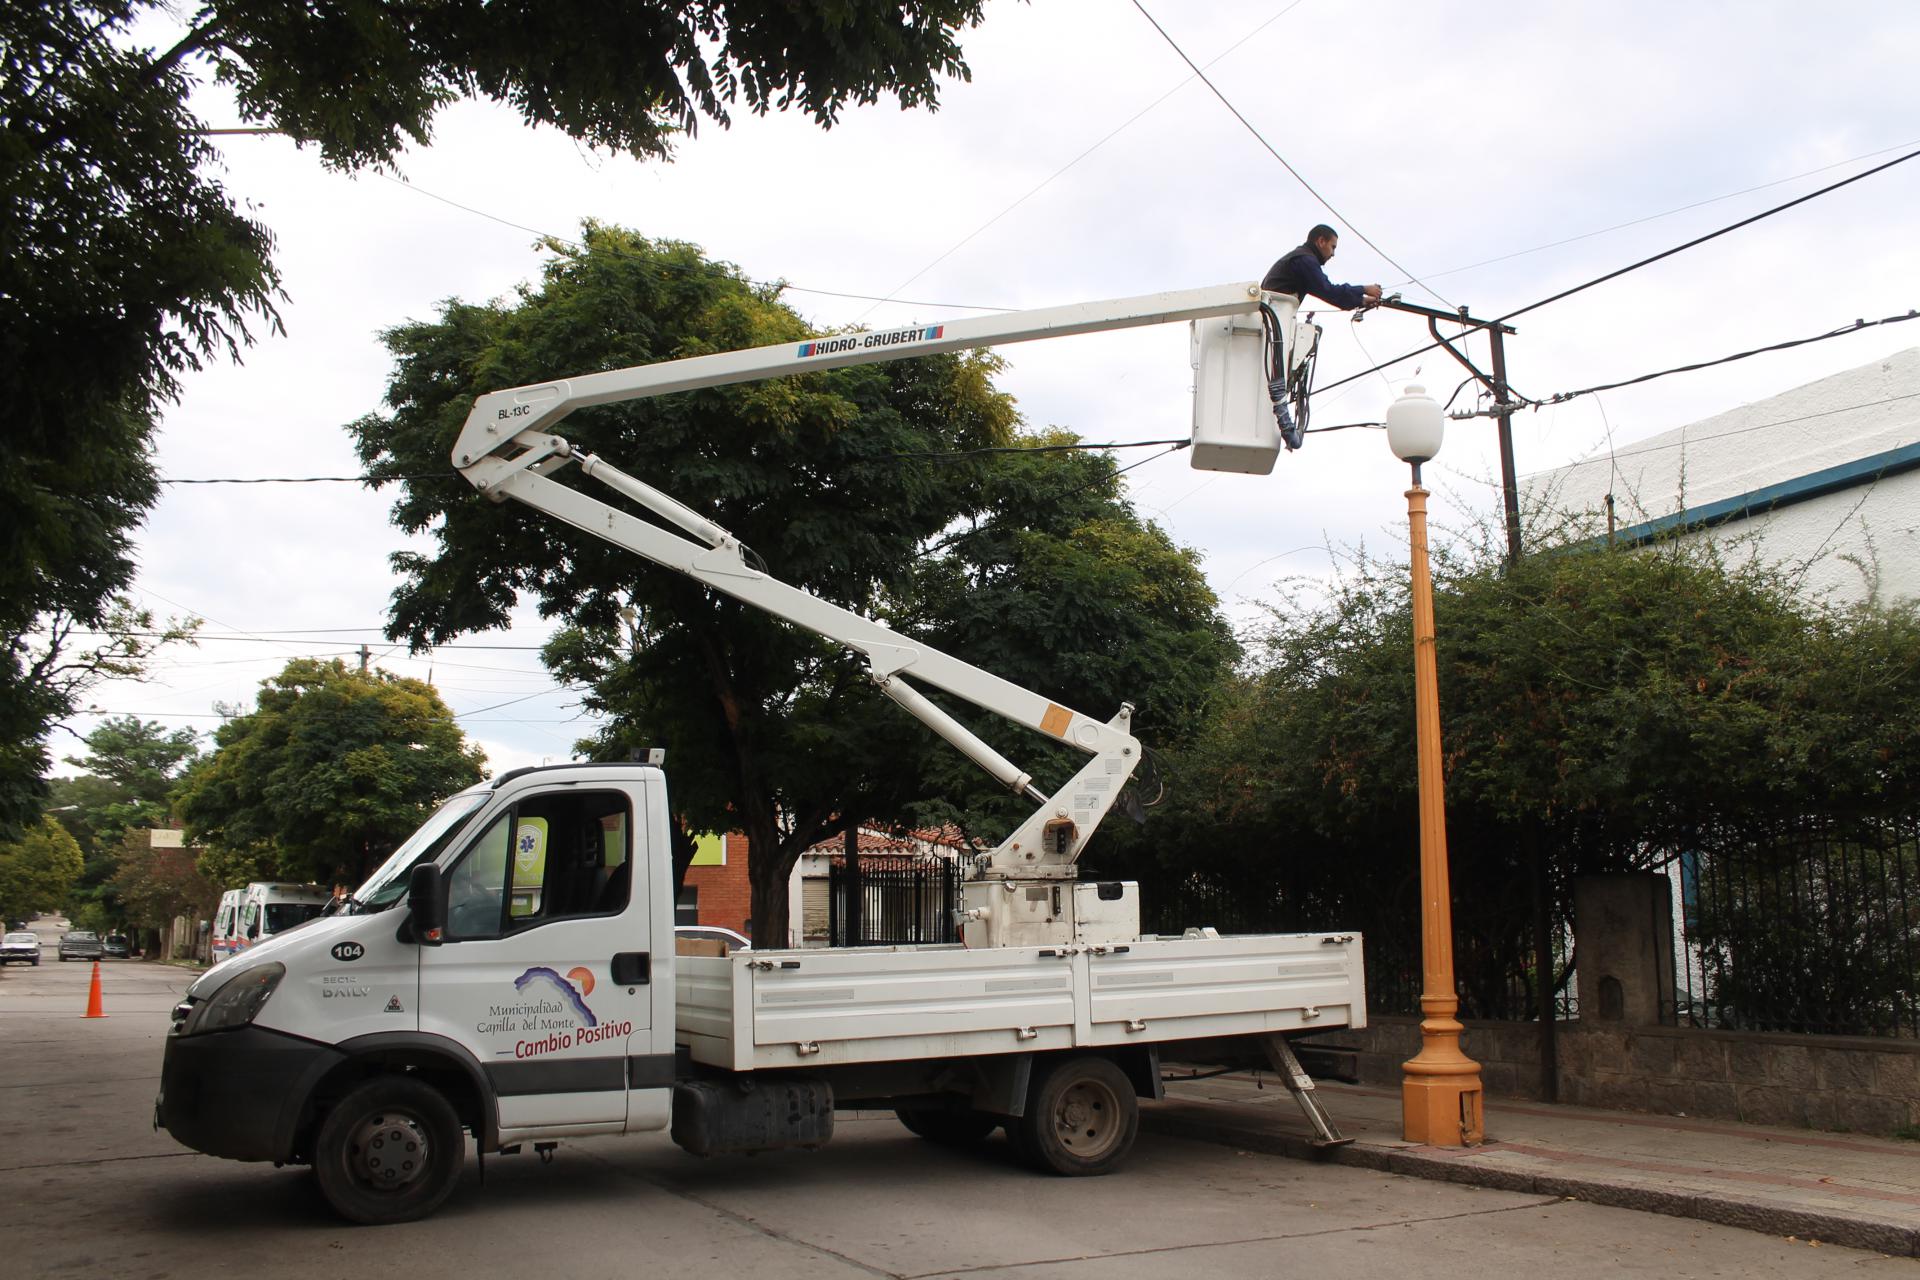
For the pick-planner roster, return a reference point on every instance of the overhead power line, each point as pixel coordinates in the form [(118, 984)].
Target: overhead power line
[(1297, 176), (1038, 448), (1644, 262), (438, 475), (1115, 132), (1615, 456), (954, 453), (246, 639), (1857, 326), (765, 284), (1667, 213)]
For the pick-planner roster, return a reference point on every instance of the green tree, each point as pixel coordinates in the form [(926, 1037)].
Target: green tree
[(1603, 710), (156, 883), (327, 775), (131, 766), (127, 264), (1027, 563), (38, 870)]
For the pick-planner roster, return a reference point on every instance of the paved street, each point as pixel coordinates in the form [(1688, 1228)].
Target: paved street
[(87, 1188)]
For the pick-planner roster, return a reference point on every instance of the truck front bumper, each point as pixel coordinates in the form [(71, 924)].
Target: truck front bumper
[(240, 1094)]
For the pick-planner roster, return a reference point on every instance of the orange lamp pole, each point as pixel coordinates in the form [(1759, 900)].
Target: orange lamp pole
[(1440, 1097)]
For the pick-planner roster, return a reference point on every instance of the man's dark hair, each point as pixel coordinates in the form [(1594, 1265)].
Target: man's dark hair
[(1322, 229)]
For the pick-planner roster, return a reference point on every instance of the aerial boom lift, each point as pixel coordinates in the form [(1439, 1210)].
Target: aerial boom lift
[(508, 448)]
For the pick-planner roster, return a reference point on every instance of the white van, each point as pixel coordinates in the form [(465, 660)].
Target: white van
[(261, 910)]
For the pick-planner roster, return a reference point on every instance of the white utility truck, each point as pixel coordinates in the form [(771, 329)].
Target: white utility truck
[(510, 972)]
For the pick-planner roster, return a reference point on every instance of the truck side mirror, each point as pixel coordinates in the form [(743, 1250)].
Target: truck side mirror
[(427, 900)]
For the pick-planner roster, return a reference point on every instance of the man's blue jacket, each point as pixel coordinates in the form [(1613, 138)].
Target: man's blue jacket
[(1299, 273)]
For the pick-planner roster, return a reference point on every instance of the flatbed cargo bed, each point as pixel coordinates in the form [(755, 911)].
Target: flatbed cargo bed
[(768, 1010)]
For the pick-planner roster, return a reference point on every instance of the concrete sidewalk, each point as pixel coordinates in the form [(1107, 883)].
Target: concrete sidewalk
[(1834, 1188)]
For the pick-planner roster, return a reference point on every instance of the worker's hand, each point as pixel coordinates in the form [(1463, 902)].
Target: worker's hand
[(1372, 291)]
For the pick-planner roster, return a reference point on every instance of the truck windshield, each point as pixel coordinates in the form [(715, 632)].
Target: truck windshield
[(388, 885), (282, 916)]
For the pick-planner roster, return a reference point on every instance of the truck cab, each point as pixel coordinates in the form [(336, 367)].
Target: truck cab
[(366, 1045)]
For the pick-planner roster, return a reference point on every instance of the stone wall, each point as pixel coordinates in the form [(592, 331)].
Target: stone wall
[(1818, 1082), (1843, 1083)]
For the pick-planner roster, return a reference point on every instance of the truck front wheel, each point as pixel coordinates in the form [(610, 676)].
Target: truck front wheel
[(390, 1151), (1081, 1119)]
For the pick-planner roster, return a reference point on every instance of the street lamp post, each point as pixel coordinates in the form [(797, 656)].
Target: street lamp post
[(1440, 1097)]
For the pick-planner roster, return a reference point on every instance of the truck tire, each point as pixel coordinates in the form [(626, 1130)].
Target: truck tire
[(390, 1151), (949, 1128), (1081, 1120)]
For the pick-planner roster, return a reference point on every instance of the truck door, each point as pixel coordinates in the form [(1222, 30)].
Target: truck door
[(544, 971)]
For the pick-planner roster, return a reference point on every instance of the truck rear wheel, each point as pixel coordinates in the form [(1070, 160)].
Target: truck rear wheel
[(949, 1128), (1081, 1119), (390, 1151)]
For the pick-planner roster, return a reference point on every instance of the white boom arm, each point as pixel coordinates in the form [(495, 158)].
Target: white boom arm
[(507, 449)]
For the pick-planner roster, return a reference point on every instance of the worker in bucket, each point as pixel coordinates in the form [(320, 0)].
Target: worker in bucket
[(1300, 272)]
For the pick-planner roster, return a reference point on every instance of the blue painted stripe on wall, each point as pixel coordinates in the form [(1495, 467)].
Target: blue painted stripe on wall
[(1787, 493)]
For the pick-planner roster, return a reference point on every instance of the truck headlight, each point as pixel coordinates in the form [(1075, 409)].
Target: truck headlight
[(237, 1002)]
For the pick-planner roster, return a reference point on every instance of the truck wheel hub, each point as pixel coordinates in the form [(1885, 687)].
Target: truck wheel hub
[(1084, 1119), (390, 1151)]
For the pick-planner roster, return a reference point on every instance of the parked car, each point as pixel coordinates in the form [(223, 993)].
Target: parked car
[(714, 933), (23, 947), (116, 945), (81, 944)]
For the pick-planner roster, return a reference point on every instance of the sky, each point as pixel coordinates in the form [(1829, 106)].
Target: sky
[(1497, 152)]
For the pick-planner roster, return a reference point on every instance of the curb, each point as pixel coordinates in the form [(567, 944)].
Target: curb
[(1766, 1216)]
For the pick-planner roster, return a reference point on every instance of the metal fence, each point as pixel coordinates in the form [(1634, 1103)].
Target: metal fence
[(1815, 930), (902, 901), (1494, 971), (1808, 925)]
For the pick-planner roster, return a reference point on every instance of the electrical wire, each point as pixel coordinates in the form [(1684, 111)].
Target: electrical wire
[(437, 475), (1172, 43), (954, 453), (763, 284), (1039, 448), (1655, 217), (1740, 431), (250, 639), (538, 693), (1856, 327), (1144, 461), (1614, 275), (1048, 180)]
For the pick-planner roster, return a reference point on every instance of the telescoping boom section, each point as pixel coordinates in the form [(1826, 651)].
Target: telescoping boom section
[(509, 449)]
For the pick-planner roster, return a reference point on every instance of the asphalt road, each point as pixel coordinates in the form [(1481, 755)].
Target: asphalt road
[(87, 1188)]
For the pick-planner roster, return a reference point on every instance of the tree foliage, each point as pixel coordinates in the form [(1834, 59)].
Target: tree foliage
[(38, 870), (327, 775), (155, 883), (125, 263), (1604, 710), (1028, 564), (131, 765)]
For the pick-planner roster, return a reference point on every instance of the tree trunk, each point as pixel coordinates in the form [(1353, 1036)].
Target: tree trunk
[(767, 875)]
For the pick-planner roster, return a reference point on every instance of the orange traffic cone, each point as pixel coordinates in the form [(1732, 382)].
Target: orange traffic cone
[(93, 996)]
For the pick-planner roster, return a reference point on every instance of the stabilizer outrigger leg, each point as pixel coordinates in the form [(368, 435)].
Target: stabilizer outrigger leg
[(1300, 1085)]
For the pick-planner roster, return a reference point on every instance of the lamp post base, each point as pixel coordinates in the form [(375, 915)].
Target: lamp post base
[(1441, 1098)]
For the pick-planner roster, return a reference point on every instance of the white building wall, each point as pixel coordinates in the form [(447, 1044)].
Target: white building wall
[(1844, 538)]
